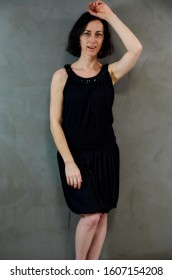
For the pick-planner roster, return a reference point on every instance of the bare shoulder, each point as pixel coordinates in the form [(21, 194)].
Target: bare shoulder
[(59, 77)]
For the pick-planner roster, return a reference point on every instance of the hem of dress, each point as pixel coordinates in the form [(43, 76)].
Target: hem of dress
[(92, 212)]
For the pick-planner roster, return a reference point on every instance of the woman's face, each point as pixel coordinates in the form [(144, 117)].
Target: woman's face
[(92, 38)]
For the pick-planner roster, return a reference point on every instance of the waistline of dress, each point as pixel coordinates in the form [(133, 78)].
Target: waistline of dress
[(95, 149)]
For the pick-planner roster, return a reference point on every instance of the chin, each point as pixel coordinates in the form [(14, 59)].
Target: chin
[(93, 53)]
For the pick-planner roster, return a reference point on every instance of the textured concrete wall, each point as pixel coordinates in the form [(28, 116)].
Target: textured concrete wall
[(34, 220)]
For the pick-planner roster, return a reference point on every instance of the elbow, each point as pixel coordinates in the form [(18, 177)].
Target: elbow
[(53, 127), (136, 52), (139, 49)]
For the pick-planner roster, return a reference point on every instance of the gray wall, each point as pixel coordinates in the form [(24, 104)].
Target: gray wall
[(34, 220)]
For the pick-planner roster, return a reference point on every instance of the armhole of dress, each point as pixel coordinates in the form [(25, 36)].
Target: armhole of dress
[(106, 69), (106, 66), (67, 68)]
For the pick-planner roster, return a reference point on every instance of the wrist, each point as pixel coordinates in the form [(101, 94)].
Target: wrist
[(111, 17), (68, 160)]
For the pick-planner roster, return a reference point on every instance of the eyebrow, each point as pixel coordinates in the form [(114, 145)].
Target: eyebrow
[(98, 31)]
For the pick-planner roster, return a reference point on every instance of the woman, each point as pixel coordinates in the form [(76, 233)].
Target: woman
[(81, 123)]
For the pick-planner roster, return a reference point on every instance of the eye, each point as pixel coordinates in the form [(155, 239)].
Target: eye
[(86, 33), (99, 34)]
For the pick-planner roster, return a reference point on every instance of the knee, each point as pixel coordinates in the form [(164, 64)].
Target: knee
[(92, 220)]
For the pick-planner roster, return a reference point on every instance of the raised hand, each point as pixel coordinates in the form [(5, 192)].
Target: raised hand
[(99, 9)]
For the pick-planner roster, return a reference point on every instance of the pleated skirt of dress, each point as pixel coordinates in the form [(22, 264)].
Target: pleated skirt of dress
[(100, 187)]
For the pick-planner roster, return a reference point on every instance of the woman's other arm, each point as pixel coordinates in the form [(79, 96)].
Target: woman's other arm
[(73, 175)]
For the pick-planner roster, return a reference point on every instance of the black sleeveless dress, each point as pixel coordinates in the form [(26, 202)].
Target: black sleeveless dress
[(87, 124)]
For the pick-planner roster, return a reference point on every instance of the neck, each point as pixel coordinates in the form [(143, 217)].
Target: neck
[(87, 62)]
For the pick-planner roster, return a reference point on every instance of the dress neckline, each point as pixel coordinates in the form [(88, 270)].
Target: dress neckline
[(92, 77), (88, 79)]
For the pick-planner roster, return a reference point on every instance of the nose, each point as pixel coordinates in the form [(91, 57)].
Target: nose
[(92, 38)]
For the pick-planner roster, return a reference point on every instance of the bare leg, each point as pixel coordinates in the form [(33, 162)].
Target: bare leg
[(84, 234), (98, 239)]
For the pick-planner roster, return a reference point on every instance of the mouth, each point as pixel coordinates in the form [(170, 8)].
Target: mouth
[(91, 47)]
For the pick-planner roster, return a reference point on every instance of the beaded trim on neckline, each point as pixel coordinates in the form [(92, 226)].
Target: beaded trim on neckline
[(88, 80)]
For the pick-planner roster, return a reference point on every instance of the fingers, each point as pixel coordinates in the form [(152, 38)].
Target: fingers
[(95, 3), (74, 181), (73, 175), (94, 7)]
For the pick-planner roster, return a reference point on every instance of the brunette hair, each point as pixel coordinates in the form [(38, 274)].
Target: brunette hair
[(73, 45)]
